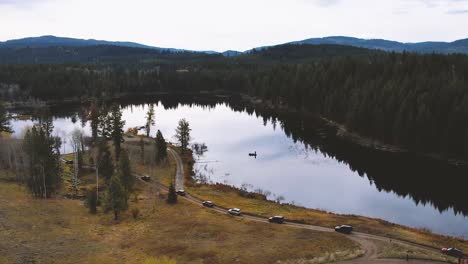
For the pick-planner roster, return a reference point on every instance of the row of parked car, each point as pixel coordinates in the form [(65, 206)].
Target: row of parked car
[(274, 219), (278, 219), (344, 229)]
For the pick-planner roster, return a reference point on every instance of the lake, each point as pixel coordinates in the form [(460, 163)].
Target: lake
[(301, 161)]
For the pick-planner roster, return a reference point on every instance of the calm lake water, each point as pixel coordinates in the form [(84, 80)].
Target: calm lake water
[(300, 159)]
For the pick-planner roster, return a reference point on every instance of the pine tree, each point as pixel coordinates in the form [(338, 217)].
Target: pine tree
[(125, 171), (116, 196), (43, 177), (94, 119), (183, 134), (91, 201), (172, 195), (104, 124), (161, 148), (142, 150), (105, 164), (117, 132), (4, 121), (149, 120)]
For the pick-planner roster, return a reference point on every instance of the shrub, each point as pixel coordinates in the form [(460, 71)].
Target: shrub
[(91, 201), (135, 212), (172, 195)]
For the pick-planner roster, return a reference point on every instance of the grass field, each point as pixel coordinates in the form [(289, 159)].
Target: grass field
[(397, 251), (61, 231), (229, 198)]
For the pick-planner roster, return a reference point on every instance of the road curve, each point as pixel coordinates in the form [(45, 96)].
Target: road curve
[(363, 239), (179, 179)]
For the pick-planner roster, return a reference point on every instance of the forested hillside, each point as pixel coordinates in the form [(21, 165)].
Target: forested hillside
[(416, 101), (92, 54), (458, 46)]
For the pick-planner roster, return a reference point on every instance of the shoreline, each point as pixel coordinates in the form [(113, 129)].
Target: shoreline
[(342, 131), (355, 138)]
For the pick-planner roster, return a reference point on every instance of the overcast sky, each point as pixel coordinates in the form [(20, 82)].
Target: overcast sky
[(238, 24)]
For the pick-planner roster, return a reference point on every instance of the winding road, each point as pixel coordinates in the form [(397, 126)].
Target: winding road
[(366, 241), (179, 179)]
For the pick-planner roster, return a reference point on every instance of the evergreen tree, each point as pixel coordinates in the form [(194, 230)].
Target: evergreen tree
[(43, 178), (94, 120), (142, 151), (417, 101), (125, 171), (91, 201), (104, 123), (4, 121), (116, 196), (171, 195), (117, 132), (105, 164), (183, 134), (161, 148), (149, 120)]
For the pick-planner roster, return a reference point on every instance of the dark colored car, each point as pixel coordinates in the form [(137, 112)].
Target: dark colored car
[(276, 219), (180, 192), (146, 178), (344, 229), (208, 203), (454, 252)]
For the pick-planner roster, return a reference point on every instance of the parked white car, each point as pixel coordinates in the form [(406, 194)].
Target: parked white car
[(234, 211)]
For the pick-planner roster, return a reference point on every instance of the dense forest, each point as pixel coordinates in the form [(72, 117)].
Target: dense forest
[(411, 100), (92, 54)]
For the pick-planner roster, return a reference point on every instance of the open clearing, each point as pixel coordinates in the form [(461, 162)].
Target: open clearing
[(61, 231)]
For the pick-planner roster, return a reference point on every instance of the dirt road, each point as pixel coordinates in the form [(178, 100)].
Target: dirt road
[(366, 241)]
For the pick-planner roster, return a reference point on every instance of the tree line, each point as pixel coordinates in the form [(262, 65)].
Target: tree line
[(416, 101)]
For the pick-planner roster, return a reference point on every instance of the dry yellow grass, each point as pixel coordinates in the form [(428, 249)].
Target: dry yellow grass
[(398, 251), (231, 198), (61, 231)]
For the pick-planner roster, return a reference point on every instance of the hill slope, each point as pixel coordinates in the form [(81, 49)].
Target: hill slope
[(92, 54), (118, 54), (459, 46), (290, 53), (52, 41)]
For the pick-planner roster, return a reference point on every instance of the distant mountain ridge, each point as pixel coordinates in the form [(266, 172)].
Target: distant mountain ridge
[(53, 41), (459, 46)]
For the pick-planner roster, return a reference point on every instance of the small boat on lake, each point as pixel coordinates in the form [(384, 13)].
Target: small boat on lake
[(254, 154)]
